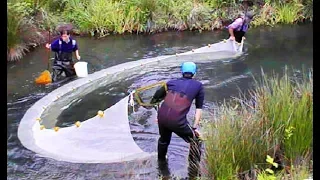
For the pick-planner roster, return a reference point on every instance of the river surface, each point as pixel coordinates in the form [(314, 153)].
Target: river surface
[(268, 48)]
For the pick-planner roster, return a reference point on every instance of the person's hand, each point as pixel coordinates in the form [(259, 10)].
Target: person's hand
[(243, 38), (197, 133), (232, 38), (78, 57), (148, 107), (156, 121), (48, 45)]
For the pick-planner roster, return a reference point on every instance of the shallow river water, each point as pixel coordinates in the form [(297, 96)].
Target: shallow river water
[(268, 48)]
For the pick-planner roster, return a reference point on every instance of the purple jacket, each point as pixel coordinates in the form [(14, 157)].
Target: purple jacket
[(238, 25)]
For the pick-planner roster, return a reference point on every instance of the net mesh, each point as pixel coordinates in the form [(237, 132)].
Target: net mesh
[(95, 140), (107, 138)]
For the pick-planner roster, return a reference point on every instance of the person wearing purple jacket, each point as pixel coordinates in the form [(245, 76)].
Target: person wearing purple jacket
[(238, 28), (172, 114)]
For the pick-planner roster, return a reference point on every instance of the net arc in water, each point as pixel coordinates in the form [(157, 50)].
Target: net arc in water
[(100, 139)]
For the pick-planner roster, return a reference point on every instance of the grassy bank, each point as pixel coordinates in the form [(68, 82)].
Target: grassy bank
[(267, 135), (104, 17)]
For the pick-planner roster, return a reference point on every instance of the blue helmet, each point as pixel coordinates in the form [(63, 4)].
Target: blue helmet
[(189, 67)]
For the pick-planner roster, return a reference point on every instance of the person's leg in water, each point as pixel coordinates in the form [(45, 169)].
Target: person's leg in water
[(71, 70), (238, 35), (186, 133), (164, 171), (163, 143), (68, 64)]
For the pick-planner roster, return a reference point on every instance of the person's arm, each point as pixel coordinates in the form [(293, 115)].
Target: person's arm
[(199, 105), (197, 118), (231, 33), (77, 54), (54, 46), (76, 50), (159, 95), (238, 22)]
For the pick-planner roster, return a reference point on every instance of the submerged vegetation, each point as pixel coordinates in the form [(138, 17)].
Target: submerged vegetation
[(103, 17), (267, 135)]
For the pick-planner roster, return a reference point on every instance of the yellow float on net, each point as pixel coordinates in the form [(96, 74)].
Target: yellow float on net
[(100, 113), (42, 127), (56, 129), (38, 119), (78, 123)]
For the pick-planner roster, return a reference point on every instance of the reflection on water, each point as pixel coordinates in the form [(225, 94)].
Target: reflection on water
[(269, 48)]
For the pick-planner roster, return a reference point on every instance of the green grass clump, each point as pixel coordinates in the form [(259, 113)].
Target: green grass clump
[(308, 9), (289, 13), (25, 26), (276, 120), (104, 17), (16, 21), (266, 16), (287, 106)]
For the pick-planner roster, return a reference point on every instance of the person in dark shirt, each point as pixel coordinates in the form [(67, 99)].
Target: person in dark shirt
[(172, 114), (63, 48)]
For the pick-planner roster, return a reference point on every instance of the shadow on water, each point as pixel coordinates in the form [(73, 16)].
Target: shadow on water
[(268, 48)]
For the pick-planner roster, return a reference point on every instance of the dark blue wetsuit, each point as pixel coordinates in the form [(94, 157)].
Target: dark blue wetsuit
[(63, 54), (172, 115)]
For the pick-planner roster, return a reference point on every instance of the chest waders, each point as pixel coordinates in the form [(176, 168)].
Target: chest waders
[(64, 60)]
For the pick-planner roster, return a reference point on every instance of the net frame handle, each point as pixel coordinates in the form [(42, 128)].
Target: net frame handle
[(136, 94)]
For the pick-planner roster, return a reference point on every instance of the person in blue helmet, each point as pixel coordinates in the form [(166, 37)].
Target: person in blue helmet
[(172, 114)]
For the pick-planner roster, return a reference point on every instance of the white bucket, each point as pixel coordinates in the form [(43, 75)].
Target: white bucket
[(81, 69)]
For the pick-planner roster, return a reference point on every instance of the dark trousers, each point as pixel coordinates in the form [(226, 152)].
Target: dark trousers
[(66, 66), (64, 60), (187, 134), (238, 35)]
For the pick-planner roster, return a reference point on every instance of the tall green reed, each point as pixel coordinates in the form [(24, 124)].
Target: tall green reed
[(275, 119)]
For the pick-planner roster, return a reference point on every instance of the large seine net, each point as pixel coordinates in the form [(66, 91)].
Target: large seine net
[(103, 138)]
